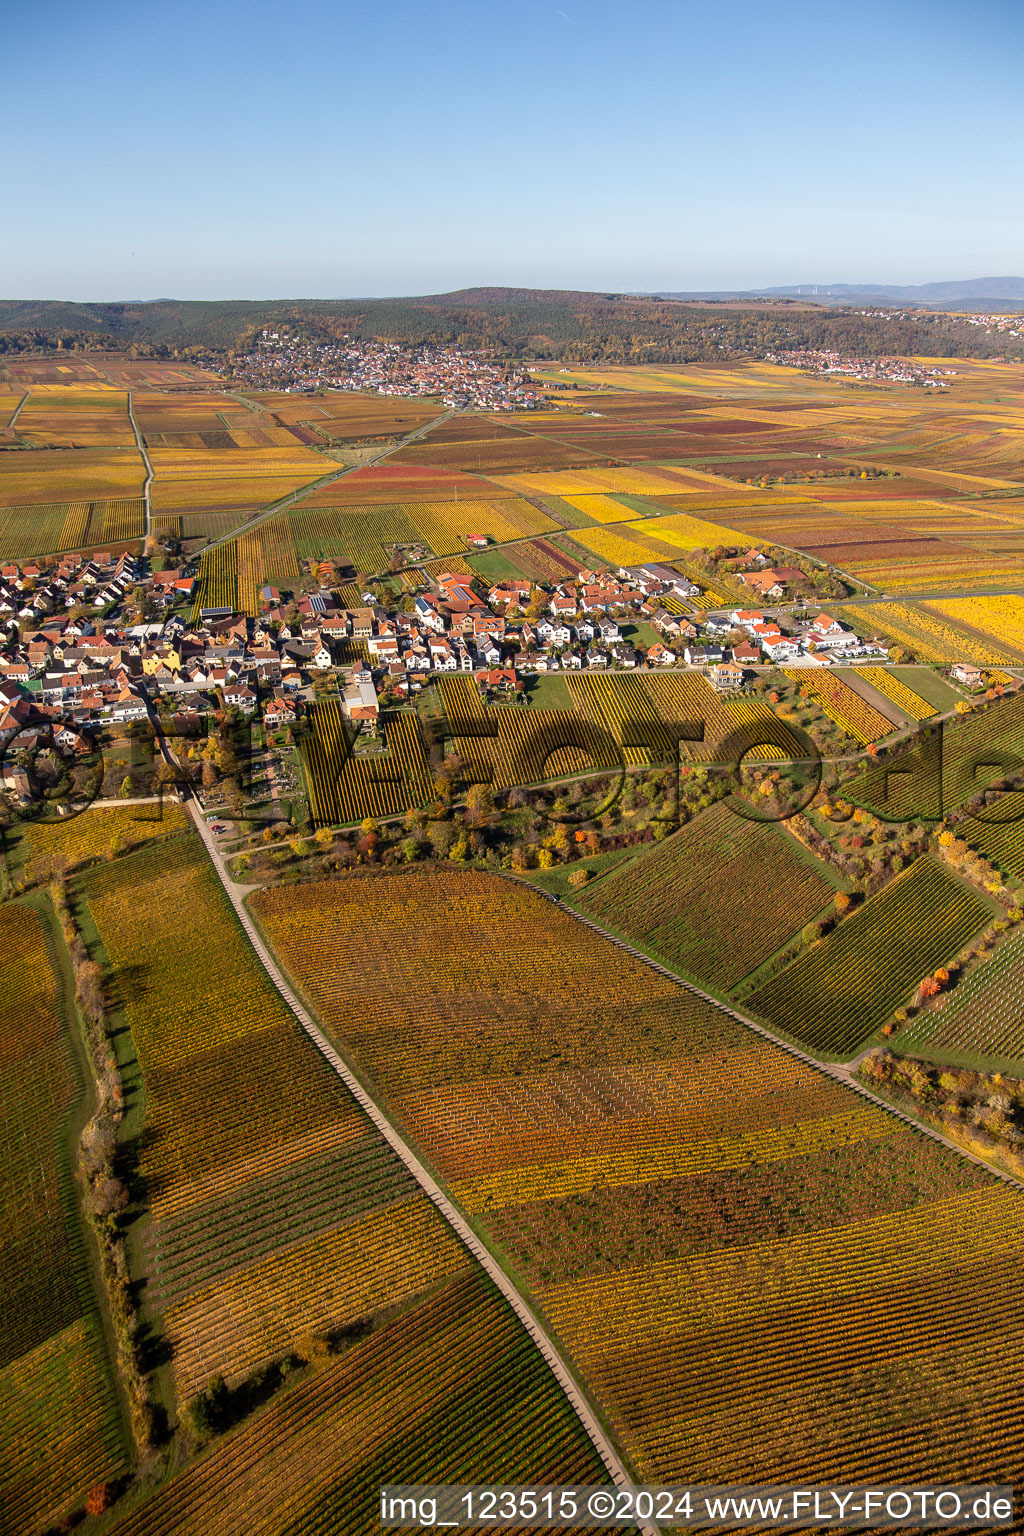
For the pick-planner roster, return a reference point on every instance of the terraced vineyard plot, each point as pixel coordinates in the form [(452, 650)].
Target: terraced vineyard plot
[(46, 847), (228, 476), (835, 995), (265, 555), (686, 532), (360, 534), (495, 456), (1000, 618), (344, 787), (925, 634), (625, 544), (1000, 840), (980, 1023), (601, 509), (59, 1425), (903, 697), (976, 751), (507, 745), (60, 1429), (84, 474), (281, 1208), (218, 580), (254, 1247), (655, 701), (204, 1020), (391, 483), (452, 1389), (58, 417), (330, 1281), (839, 701), (51, 527), (715, 1230), (715, 899), (448, 525), (294, 1222), (123, 519)]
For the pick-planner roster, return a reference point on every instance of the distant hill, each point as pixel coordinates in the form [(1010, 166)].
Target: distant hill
[(521, 323), (970, 293)]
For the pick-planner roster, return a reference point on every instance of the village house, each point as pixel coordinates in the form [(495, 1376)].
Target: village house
[(725, 677), (360, 703)]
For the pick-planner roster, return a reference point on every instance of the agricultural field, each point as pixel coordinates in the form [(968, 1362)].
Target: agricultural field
[(652, 701), (187, 478), (898, 693), (47, 849), (835, 996), (715, 899), (390, 482), (276, 1221), (361, 535), (64, 525), (342, 415), (384, 1410), (47, 477), (600, 509), (998, 834), (999, 619), (344, 787), (925, 634), (58, 417), (454, 522), (981, 1022), (839, 701), (706, 1222), (60, 1426), (507, 745), (218, 583), (976, 750)]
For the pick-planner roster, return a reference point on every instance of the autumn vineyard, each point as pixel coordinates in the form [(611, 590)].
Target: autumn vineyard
[(461, 868)]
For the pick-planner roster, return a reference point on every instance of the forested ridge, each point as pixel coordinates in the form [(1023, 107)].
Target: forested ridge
[(511, 322)]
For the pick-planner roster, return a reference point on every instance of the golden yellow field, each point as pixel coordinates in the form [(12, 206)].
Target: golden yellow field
[(76, 418), (88, 474), (559, 482), (601, 508), (1001, 618), (685, 532), (926, 634)]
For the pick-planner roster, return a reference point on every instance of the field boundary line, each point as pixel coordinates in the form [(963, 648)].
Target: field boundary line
[(529, 1319), (140, 444)]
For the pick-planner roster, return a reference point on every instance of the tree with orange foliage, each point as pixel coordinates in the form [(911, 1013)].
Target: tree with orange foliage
[(99, 1499)]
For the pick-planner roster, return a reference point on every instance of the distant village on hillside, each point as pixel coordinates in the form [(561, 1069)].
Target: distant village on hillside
[(280, 360)]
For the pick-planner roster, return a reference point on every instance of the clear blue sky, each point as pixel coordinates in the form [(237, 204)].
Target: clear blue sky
[(327, 149)]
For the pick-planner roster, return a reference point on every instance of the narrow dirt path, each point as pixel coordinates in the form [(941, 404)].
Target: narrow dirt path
[(140, 443), (21, 402)]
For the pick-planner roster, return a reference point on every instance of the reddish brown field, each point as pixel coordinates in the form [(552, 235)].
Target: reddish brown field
[(397, 482), (757, 468), (900, 488), (472, 429), (632, 445), (514, 452)]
